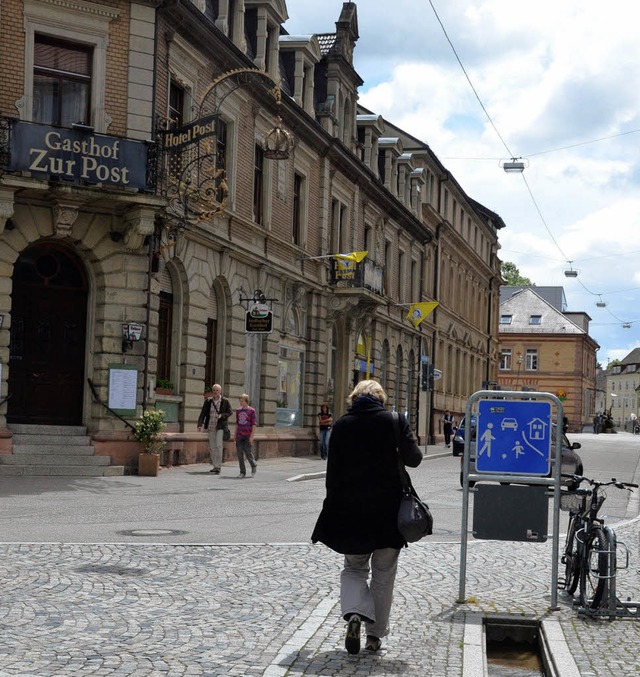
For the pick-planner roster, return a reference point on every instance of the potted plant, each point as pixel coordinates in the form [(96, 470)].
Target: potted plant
[(207, 391), (164, 386), (149, 429)]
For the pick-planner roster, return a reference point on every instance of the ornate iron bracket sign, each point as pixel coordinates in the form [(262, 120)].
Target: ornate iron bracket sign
[(193, 176)]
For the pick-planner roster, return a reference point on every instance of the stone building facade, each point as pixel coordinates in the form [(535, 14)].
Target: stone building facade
[(621, 384), (168, 167)]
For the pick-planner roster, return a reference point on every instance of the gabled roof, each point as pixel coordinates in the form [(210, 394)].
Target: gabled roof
[(632, 358), (525, 303)]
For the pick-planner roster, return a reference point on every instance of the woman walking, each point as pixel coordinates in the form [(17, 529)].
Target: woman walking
[(325, 421), (359, 514)]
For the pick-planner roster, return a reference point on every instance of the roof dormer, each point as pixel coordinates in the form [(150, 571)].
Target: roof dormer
[(389, 150), (262, 22), (370, 129), (298, 56)]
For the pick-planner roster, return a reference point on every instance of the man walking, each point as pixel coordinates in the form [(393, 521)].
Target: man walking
[(213, 418), (245, 426)]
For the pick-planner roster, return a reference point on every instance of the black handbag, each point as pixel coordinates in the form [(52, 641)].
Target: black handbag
[(415, 520)]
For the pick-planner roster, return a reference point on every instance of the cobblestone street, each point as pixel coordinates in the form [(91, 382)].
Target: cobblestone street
[(272, 610)]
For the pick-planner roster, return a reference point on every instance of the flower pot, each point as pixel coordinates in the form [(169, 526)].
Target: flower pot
[(148, 465), (164, 391)]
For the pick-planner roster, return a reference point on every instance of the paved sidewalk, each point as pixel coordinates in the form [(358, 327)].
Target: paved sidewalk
[(263, 609)]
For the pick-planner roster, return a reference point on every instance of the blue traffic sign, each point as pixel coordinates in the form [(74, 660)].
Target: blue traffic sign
[(514, 437)]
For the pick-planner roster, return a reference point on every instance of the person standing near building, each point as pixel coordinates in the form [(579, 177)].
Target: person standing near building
[(245, 427), (213, 418), (447, 426), (359, 516), (325, 421)]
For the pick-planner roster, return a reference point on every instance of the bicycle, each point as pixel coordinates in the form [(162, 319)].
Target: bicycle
[(590, 551)]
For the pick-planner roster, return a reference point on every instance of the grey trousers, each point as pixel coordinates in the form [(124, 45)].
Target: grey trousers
[(215, 447), (371, 601), (243, 448)]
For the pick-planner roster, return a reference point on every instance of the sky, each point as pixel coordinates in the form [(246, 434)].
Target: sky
[(555, 83)]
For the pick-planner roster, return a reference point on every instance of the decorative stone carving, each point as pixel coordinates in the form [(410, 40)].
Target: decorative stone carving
[(355, 308), (6, 206), (139, 222), (64, 216)]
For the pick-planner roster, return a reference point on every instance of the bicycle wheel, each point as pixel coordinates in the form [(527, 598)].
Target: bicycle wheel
[(594, 574), (571, 558)]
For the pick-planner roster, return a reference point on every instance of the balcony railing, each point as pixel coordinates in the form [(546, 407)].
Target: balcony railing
[(364, 275)]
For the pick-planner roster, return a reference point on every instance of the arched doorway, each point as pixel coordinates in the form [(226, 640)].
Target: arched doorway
[(48, 327)]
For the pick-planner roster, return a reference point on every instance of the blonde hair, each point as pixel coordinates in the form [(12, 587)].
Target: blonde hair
[(244, 397), (370, 388)]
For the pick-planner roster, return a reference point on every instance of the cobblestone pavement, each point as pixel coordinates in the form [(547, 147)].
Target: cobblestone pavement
[(145, 609), (260, 609)]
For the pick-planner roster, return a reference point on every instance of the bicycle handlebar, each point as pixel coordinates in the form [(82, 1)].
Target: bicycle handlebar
[(597, 483)]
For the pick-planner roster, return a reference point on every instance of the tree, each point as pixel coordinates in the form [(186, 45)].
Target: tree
[(512, 277)]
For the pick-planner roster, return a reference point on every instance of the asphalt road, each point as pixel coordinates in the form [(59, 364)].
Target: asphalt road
[(189, 505)]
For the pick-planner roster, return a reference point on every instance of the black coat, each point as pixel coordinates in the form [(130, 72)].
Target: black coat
[(359, 514), (205, 413)]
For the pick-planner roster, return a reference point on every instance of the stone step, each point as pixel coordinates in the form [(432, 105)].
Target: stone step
[(52, 450), (59, 471), (20, 449), (28, 429), (60, 440), (60, 460)]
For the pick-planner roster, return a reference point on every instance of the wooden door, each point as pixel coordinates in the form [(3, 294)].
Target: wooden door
[(48, 328)]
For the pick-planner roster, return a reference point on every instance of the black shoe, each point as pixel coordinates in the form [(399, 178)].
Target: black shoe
[(352, 640), (215, 471), (373, 643)]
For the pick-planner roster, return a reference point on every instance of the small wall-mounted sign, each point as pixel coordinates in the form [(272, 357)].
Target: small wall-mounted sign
[(258, 320)]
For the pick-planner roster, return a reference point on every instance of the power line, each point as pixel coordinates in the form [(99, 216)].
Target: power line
[(504, 143), (446, 35), (583, 143)]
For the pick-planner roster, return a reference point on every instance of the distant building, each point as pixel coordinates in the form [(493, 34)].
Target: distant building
[(543, 347), (622, 382)]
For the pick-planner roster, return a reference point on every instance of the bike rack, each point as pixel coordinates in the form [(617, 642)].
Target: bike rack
[(611, 606)]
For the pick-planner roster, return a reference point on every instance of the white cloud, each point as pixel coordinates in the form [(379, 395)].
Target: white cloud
[(551, 74)]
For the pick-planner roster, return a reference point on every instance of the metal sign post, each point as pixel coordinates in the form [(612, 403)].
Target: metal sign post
[(513, 445)]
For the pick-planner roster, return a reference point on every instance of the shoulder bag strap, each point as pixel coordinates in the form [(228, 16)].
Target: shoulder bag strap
[(404, 477)]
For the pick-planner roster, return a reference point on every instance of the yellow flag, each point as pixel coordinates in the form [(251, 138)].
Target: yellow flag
[(356, 257), (418, 311)]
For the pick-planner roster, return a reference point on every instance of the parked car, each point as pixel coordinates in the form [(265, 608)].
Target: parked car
[(571, 461), (457, 446)]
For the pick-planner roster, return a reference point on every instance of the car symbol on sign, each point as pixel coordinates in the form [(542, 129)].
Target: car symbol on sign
[(509, 423)]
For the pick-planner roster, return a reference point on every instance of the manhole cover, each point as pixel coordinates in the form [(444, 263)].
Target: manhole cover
[(151, 532)]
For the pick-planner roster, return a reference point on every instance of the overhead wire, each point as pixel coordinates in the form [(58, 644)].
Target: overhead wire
[(473, 89), (514, 157)]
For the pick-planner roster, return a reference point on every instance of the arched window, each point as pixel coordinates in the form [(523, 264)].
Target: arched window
[(165, 326), (411, 389), (399, 385), (384, 364), (214, 351)]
